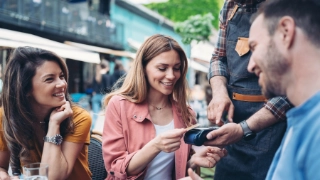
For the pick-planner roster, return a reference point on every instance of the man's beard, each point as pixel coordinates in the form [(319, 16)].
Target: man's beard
[(269, 92), (276, 67)]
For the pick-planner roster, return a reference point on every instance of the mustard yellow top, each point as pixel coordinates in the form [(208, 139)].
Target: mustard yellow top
[(82, 124)]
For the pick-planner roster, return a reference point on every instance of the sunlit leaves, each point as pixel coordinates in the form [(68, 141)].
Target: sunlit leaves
[(196, 28)]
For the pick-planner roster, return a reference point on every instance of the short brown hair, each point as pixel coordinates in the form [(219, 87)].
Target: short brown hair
[(306, 14)]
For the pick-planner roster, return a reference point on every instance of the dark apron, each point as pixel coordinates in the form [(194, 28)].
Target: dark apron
[(246, 159)]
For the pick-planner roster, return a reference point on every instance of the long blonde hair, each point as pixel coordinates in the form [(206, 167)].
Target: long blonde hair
[(135, 86)]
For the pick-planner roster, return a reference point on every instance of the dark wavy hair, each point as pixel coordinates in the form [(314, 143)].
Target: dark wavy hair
[(18, 120)]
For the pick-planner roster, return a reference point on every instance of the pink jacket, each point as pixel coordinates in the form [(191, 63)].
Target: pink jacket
[(127, 129)]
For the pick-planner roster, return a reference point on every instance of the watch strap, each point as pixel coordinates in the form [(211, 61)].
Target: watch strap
[(57, 139), (247, 133), (245, 127)]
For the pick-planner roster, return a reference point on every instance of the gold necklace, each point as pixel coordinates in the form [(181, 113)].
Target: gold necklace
[(158, 108)]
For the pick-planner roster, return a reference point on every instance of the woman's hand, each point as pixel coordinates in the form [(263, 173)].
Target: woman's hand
[(14, 178), (169, 141), (192, 176), (59, 114), (207, 157), (4, 175), (4, 165)]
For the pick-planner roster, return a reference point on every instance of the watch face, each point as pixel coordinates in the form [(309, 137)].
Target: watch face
[(249, 136), (58, 139)]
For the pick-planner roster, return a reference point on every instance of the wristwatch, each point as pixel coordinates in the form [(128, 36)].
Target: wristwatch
[(247, 133), (57, 139)]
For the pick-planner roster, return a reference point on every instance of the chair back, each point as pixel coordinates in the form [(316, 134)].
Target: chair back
[(96, 163)]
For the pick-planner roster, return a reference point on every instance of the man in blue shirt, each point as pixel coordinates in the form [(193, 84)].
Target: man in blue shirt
[(284, 40), (285, 44)]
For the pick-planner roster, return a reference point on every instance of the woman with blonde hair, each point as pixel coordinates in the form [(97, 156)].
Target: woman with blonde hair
[(147, 116), (38, 121)]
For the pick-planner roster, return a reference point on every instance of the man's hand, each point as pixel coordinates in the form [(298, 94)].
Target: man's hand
[(217, 106), (220, 102), (225, 135)]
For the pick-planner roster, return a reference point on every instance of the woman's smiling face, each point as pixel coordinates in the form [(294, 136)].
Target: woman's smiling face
[(48, 86), (163, 71)]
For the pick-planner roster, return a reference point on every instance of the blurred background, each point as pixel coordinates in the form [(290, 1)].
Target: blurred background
[(87, 32)]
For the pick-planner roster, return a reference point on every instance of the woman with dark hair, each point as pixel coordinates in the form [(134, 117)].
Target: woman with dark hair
[(39, 122), (147, 116)]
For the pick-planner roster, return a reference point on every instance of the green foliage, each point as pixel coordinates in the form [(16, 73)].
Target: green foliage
[(196, 28), (207, 173), (180, 10)]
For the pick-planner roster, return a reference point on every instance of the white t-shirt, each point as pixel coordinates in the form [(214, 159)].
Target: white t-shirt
[(161, 167)]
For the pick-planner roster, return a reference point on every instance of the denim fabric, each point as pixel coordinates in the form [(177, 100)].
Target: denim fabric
[(247, 160), (96, 101), (219, 62)]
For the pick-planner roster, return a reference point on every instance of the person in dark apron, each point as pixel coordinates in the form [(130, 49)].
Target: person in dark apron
[(247, 159)]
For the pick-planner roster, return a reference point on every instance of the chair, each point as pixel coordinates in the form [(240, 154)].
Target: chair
[(96, 164)]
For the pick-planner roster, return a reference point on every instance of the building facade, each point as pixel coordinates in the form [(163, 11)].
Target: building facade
[(81, 31)]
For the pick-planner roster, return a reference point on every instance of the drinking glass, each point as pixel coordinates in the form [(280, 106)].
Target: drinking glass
[(35, 171)]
